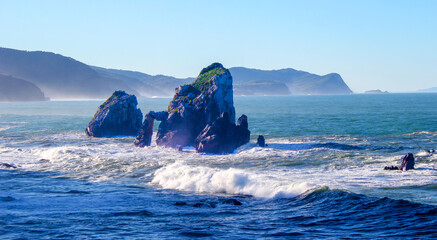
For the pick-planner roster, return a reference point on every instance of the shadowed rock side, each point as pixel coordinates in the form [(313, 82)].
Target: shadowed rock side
[(196, 105), (407, 163), (144, 137), (201, 114), (118, 116), (222, 136)]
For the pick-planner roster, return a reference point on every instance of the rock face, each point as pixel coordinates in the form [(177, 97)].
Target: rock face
[(261, 141), (196, 105), (407, 162), (144, 137), (201, 114), (222, 136), (118, 116)]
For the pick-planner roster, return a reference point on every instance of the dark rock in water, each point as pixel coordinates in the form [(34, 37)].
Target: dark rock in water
[(43, 160), (261, 141), (144, 136), (180, 204), (391, 168), (198, 205), (118, 116), (407, 162), (196, 105), (222, 136), (208, 204), (232, 201), (7, 199), (7, 165)]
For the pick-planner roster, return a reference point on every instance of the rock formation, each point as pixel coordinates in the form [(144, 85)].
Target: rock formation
[(118, 116), (222, 136), (144, 137), (261, 141), (407, 162), (196, 105), (201, 114)]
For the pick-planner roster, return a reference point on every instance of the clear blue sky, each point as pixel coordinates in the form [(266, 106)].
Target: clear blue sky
[(390, 45)]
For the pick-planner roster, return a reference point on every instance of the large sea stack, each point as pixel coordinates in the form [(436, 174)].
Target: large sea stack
[(206, 103), (118, 116)]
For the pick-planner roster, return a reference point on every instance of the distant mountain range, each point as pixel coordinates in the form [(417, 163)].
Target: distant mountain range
[(62, 77)]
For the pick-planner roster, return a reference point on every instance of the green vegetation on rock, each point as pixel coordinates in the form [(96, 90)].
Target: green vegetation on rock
[(202, 82)]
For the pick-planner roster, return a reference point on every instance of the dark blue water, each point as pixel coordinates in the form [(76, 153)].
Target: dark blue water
[(47, 206), (320, 177)]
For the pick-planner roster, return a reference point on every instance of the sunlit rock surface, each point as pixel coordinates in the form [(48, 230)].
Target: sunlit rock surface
[(117, 116)]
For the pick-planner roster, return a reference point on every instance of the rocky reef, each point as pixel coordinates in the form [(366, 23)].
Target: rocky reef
[(117, 116), (201, 114)]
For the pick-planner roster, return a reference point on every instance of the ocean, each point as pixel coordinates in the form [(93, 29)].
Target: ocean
[(321, 175)]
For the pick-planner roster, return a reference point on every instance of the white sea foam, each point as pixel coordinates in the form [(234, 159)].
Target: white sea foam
[(286, 168), (184, 177)]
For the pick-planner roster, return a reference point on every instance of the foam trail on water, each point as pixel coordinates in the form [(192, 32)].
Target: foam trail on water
[(181, 176)]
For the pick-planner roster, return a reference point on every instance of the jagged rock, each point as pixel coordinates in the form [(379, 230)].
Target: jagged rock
[(407, 162), (117, 116), (201, 114), (261, 141), (222, 136), (144, 136), (196, 105)]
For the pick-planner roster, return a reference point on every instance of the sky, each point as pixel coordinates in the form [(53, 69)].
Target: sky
[(387, 45)]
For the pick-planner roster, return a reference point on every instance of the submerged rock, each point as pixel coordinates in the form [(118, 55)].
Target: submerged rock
[(232, 201), (222, 136), (117, 116), (196, 105), (7, 165)]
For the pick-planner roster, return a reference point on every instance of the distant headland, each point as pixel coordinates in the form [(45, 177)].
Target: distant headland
[(377, 91), (60, 77)]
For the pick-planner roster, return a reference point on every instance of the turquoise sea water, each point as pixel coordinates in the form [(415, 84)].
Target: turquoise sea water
[(320, 176)]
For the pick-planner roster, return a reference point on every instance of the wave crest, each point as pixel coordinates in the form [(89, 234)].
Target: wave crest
[(181, 176)]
